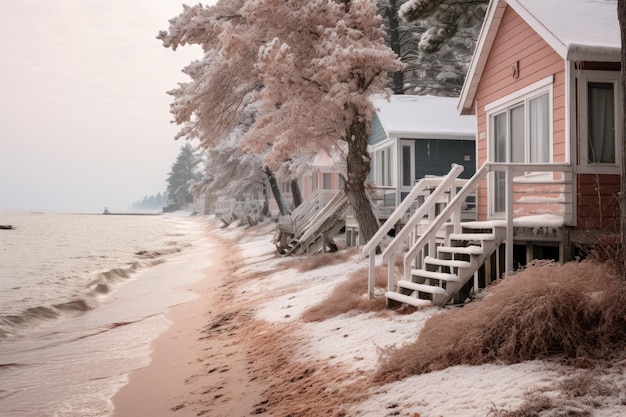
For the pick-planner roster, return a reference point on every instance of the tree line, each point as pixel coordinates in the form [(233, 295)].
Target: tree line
[(280, 81)]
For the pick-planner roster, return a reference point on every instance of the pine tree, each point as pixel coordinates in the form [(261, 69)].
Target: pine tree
[(183, 174), (435, 39)]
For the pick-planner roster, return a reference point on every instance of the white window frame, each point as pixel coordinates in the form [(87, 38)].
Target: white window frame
[(523, 95), (505, 104), (411, 145), (584, 78), (377, 152)]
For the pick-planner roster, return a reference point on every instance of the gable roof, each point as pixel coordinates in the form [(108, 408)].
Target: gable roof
[(578, 30), (423, 117)]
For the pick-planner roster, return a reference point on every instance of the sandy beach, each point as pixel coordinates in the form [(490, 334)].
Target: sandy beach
[(247, 346), (197, 366)]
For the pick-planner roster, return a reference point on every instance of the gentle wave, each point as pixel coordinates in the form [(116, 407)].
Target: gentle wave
[(11, 325)]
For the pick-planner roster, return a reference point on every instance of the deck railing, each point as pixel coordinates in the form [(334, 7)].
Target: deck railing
[(442, 186), (530, 189)]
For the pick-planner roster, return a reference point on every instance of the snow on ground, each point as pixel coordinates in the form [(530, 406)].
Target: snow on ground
[(356, 340)]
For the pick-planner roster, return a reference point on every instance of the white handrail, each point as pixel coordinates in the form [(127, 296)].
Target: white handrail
[(442, 186), (445, 185), (443, 217)]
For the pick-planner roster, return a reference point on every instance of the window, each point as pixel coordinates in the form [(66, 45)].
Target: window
[(314, 181), (326, 181), (601, 119), (600, 123), (382, 167), (407, 165), (519, 131)]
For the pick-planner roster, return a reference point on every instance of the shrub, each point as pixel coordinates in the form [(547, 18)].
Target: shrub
[(350, 295), (577, 310)]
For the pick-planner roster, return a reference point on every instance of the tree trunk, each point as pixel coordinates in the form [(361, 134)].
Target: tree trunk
[(394, 40), (295, 192), (276, 191), (621, 15), (266, 201), (358, 167)]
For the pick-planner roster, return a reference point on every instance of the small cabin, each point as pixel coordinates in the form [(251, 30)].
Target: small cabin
[(413, 137), (544, 85)]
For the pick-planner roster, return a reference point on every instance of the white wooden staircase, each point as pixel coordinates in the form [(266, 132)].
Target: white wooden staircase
[(443, 252), (442, 275)]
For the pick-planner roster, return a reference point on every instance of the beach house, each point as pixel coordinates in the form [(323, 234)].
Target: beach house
[(544, 85)]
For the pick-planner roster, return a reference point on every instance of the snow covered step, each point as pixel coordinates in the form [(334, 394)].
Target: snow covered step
[(442, 276), (463, 250), (407, 299), (446, 262), (472, 236), (428, 289)]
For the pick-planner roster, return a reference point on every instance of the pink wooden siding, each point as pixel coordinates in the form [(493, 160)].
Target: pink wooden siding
[(516, 41)]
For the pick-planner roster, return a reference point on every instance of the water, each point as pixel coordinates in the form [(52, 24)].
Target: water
[(81, 297)]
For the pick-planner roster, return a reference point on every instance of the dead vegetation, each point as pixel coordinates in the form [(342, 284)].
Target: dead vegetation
[(577, 396), (296, 384), (576, 310), (320, 260), (350, 295)]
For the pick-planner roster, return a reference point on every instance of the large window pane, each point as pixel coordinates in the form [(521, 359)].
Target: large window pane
[(601, 119), (499, 134), (539, 134), (518, 151), (406, 166), (500, 155), (326, 181)]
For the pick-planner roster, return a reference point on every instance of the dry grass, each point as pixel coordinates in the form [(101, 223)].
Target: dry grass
[(579, 395), (298, 385), (350, 295), (607, 248), (309, 263), (577, 310)]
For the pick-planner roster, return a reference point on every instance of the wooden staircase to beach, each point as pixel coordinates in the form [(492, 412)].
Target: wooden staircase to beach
[(456, 260), (441, 253), (312, 226), (444, 252)]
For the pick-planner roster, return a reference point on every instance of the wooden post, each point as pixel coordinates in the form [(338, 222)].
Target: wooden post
[(391, 282), (508, 263), (371, 279)]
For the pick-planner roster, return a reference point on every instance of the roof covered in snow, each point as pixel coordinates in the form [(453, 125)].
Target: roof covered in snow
[(429, 117), (578, 30)]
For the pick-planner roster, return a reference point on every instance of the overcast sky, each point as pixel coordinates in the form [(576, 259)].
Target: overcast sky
[(84, 117)]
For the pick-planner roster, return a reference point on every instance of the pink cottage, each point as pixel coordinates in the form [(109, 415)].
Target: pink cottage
[(544, 84)]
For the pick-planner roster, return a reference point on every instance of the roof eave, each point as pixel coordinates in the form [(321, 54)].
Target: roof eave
[(432, 135), (487, 34), (581, 53)]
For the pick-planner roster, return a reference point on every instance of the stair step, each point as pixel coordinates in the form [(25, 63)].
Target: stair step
[(472, 236), (463, 250), (428, 289), (446, 262), (407, 299), (434, 275)]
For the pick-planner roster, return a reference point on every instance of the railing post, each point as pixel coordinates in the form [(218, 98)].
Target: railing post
[(391, 264), (371, 279), (508, 262), (431, 242)]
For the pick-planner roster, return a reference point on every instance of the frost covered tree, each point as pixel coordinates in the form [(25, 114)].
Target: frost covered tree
[(183, 174), (447, 31), (309, 66)]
